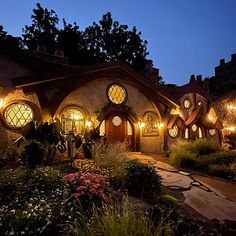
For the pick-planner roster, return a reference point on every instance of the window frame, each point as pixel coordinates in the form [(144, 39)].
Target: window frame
[(120, 85), (69, 108), (157, 133), (177, 134), (23, 102)]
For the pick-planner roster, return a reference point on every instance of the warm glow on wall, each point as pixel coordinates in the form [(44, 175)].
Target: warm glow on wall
[(232, 128), (1, 103), (231, 107), (210, 117)]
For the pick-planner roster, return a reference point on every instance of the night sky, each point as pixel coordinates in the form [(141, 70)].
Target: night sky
[(184, 36)]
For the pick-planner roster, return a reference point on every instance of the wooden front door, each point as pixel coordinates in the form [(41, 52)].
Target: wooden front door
[(118, 128)]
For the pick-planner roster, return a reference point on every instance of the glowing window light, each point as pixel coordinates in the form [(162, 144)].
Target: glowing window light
[(18, 115)]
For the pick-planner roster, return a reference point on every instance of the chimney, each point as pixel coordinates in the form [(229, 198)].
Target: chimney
[(199, 77), (42, 48), (59, 52), (192, 78), (222, 62), (233, 57), (148, 68)]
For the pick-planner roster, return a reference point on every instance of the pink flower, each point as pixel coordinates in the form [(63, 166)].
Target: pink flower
[(71, 177), (81, 188), (93, 191)]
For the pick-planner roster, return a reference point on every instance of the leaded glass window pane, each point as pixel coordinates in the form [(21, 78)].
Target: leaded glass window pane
[(129, 128), (72, 120), (18, 114), (116, 94), (102, 128), (116, 120), (151, 124), (174, 131)]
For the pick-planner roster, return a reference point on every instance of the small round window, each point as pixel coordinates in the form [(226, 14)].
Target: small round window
[(187, 103), (212, 132), (173, 132), (18, 115), (116, 94), (194, 128), (116, 120)]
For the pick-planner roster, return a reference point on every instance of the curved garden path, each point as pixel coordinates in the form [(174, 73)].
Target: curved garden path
[(212, 198)]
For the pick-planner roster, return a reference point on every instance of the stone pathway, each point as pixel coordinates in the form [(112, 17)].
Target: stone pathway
[(212, 198)]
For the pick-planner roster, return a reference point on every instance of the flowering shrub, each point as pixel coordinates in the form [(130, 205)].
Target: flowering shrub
[(88, 188)]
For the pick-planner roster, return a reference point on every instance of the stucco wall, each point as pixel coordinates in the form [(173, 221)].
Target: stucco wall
[(92, 97)]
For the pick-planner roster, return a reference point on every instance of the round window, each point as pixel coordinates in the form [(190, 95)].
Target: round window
[(187, 103), (173, 132), (194, 128), (212, 132), (117, 94), (116, 120), (18, 114)]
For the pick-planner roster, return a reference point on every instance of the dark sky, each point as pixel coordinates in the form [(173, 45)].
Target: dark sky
[(184, 36)]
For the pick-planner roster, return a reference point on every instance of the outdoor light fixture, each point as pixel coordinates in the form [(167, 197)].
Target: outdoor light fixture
[(210, 117), (89, 124), (161, 125), (1, 102), (141, 125)]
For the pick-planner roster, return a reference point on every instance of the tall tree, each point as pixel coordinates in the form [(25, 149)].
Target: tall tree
[(43, 29), (4, 36)]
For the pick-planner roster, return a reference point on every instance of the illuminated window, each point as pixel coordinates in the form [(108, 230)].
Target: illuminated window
[(173, 132), (151, 124), (18, 115), (200, 133), (194, 128), (102, 128), (117, 94), (116, 120), (72, 120), (129, 128), (187, 103), (186, 134), (212, 132)]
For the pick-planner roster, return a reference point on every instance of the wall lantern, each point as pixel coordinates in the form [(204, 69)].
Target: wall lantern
[(1, 102), (141, 125), (89, 124), (161, 125)]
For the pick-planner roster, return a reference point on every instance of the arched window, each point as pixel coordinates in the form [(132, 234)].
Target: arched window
[(173, 132), (129, 128), (150, 121), (200, 132), (117, 93), (18, 114), (186, 133), (187, 103), (72, 119), (102, 128)]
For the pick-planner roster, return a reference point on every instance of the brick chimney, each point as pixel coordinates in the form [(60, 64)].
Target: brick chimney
[(199, 78), (148, 68), (192, 78)]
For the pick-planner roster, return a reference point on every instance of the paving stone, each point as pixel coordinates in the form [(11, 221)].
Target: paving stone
[(184, 173), (172, 179), (164, 166), (210, 205), (220, 187), (195, 184)]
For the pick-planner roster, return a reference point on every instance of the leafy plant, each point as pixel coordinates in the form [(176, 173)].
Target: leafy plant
[(141, 180), (44, 137)]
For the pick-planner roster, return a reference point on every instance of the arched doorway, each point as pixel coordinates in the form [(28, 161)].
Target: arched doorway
[(119, 128)]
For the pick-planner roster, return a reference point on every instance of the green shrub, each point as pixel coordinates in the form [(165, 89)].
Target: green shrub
[(141, 180), (223, 171), (202, 147), (222, 158)]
